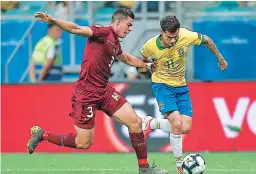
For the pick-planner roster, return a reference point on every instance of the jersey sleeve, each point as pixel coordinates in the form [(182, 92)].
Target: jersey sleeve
[(99, 31), (145, 50), (120, 50), (195, 38)]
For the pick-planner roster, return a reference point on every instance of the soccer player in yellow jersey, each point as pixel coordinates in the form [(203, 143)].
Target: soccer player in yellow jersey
[(169, 49)]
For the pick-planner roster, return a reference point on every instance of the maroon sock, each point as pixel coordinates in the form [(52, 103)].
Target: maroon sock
[(140, 146), (67, 140)]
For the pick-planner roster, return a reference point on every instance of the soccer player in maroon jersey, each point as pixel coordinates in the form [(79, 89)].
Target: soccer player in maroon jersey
[(92, 91)]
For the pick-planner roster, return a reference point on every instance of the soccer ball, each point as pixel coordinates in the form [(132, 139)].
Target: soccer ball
[(193, 164)]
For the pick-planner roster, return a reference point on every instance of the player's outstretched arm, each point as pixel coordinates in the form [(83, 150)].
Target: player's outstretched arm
[(134, 61), (212, 47), (64, 25)]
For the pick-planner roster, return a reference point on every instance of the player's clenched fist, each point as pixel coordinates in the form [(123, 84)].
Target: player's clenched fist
[(151, 66), (223, 64), (40, 16)]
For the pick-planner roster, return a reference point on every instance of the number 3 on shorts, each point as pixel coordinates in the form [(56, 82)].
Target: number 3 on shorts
[(90, 112)]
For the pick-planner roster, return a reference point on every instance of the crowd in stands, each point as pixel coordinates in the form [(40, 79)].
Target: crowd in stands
[(63, 9)]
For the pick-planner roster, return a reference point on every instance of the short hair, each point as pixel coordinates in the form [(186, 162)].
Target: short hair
[(170, 23), (50, 26), (122, 13)]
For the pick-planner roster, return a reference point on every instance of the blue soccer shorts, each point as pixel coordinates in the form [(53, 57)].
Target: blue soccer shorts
[(172, 98)]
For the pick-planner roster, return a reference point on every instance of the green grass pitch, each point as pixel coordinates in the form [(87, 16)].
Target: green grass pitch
[(122, 163)]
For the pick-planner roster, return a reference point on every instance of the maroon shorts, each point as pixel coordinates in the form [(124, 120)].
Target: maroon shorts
[(83, 113)]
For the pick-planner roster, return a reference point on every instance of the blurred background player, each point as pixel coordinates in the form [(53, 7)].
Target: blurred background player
[(9, 5), (169, 49), (93, 92), (132, 73), (45, 64)]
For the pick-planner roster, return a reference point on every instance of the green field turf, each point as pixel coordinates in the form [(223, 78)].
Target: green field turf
[(41, 163)]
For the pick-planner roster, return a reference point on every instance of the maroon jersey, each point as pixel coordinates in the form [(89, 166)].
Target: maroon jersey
[(99, 54)]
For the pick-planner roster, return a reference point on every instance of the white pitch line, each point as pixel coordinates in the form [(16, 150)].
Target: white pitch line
[(70, 170)]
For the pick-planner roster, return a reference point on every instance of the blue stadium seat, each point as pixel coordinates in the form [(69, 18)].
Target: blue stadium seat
[(104, 11), (13, 12), (35, 5), (237, 47), (9, 41), (228, 4)]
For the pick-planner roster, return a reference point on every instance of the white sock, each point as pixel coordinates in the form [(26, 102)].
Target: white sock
[(176, 143), (162, 124)]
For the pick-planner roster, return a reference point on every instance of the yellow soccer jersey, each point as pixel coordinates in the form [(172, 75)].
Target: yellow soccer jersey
[(171, 62)]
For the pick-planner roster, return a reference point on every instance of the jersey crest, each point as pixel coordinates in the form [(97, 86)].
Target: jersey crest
[(181, 52)]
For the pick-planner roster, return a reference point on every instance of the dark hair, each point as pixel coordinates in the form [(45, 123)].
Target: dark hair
[(50, 26), (170, 23), (122, 13)]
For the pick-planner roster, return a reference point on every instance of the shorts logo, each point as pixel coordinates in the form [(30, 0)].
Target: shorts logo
[(181, 52), (116, 97), (160, 105)]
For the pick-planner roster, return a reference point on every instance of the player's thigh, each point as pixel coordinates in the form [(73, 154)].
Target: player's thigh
[(165, 96), (111, 101), (184, 101), (83, 114), (186, 124), (116, 106), (128, 117)]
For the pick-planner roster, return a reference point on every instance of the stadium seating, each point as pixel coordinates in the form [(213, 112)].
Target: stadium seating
[(204, 24), (236, 42)]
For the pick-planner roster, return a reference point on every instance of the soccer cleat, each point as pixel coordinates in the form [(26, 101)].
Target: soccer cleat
[(180, 170), (152, 170), (179, 166), (146, 126), (35, 138)]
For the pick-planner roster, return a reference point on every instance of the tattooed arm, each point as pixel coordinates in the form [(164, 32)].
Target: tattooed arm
[(212, 47)]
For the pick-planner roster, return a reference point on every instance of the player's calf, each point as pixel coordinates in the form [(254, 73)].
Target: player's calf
[(81, 140), (176, 137), (135, 126)]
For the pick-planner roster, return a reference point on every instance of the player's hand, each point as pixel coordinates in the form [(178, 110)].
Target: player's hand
[(223, 64), (151, 66), (40, 16)]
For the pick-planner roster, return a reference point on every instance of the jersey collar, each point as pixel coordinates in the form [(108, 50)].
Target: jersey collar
[(115, 33), (160, 46)]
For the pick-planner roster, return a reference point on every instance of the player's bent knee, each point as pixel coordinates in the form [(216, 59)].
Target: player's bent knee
[(176, 126), (176, 122), (84, 137), (186, 124), (83, 144), (186, 129)]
